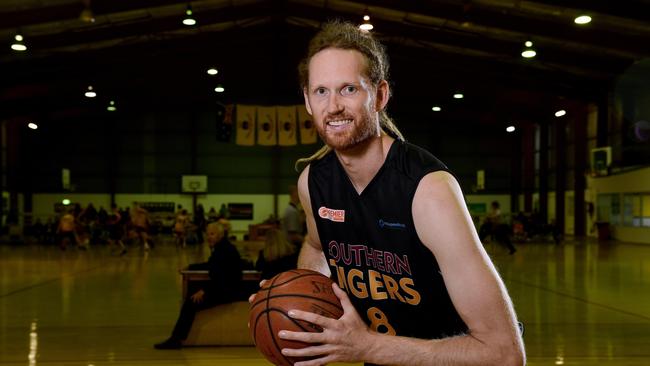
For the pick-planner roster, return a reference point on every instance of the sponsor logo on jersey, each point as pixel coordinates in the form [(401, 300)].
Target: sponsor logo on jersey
[(331, 214), (391, 225)]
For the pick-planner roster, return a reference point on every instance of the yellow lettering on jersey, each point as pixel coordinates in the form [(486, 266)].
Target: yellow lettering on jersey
[(392, 288), (340, 274), (376, 284), (358, 288), (415, 296)]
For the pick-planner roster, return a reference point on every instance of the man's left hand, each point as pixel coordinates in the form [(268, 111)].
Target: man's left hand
[(342, 340)]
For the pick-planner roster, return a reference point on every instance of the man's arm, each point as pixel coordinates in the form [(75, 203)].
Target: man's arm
[(478, 294), (445, 227), (311, 254)]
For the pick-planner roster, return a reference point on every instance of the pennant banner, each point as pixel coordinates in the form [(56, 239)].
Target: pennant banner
[(307, 129), (245, 125), (287, 126), (266, 126)]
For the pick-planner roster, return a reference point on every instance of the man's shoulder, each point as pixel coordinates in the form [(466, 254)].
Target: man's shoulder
[(414, 161)]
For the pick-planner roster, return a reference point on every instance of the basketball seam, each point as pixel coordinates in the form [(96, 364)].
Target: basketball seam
[(296, 295)]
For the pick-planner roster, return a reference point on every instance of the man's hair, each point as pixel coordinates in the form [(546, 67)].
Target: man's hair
[(347, 36)]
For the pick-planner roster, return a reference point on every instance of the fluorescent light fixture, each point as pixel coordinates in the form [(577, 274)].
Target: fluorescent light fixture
[(65, 201), (528, 53), (366, 26), (111, 106), (213, 71), (458, 96), (510, 129), (189, 20), (560, 113), (90, 93), (18, 44), (436, 109), (582, 19), (219, 89), (32, 125), (528, 44)]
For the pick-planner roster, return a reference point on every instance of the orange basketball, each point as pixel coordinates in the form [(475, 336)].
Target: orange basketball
[(298, 289)]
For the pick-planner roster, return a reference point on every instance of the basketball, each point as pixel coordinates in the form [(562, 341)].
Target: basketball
[(298, 289)]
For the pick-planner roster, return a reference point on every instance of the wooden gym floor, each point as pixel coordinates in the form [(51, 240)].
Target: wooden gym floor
[(583, 303)]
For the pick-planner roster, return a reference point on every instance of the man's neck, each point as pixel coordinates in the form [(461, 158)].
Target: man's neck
[(364, 161)]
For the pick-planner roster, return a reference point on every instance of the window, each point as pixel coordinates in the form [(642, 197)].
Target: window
[(632, 210)]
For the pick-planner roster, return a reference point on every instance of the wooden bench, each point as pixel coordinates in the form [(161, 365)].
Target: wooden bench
[(222, 325)]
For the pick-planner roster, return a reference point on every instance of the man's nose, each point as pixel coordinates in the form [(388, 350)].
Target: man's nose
[(334, 104)]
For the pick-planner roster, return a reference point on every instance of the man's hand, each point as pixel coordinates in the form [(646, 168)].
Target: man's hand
[(197, 298), (342, 340), (251, 298)]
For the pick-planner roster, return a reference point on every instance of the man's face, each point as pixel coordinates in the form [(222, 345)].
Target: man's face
[(341, 99)]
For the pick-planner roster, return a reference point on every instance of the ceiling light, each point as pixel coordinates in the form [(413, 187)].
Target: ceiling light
[(66, 201), (510, 129), (87, 13), (32, 125), (212, 71), (111, 106), (219, 89), (528, 53), (458, 96), (560, 113), (90, 93), (436, 109), (189, 20), (366, 26), (18, 44), (582, 19)]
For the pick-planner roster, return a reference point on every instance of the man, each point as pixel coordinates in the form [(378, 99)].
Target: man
[(293, 219), (225, 271), (388, 222)]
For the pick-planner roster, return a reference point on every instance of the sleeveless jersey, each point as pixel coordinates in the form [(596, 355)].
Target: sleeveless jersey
[(373, 250)]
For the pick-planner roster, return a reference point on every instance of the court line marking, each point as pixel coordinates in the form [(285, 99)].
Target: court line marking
[(38, 284), (608, 307)]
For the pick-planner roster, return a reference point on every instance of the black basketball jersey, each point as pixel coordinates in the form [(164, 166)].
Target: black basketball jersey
[(373, 250)]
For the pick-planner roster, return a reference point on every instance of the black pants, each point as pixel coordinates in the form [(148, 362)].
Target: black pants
[(188, 312)]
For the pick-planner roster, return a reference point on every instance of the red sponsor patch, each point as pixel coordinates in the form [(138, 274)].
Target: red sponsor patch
[(331, 214)]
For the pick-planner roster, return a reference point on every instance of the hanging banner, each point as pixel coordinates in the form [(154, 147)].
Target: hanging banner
[(287, 126), (266, 126), (307, 129), (245, 125)]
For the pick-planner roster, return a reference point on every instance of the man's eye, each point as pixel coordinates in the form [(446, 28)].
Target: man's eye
[(320, 91), (350, 89)]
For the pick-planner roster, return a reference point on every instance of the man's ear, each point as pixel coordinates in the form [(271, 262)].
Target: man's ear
[(382, 96), (304, 94)]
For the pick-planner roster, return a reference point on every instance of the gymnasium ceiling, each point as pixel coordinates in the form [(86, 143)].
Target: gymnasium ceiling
[(139, 48)]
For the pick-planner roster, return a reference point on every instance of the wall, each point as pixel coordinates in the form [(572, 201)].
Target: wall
[(637, 181), (263, 204)]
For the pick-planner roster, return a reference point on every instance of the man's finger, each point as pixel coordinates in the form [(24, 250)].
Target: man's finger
[(307, 337), (320, 320)]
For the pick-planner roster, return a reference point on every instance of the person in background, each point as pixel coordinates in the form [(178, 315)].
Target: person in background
[(225, 270), (140, 224), (180, 227), (278, 255), (293, 219)]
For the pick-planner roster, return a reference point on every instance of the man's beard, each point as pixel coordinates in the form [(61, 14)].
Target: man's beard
[(359, 133)]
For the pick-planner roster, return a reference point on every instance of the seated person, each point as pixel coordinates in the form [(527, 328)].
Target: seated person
[(278, 255), (225, 270)]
